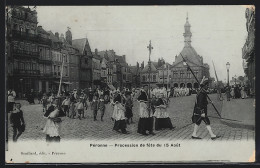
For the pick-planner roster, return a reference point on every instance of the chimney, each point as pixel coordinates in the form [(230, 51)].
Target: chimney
[(137, 65), (124, 58), (96, 51), (142, 65), (175, 57), (57, 35)]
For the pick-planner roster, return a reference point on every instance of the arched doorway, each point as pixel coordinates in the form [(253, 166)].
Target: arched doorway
[(189, 85), (175, 85), (196, 85), (182, 85)]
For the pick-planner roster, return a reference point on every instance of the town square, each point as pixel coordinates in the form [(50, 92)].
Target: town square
[(121, 77)]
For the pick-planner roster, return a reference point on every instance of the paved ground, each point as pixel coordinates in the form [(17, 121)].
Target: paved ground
[(180, 113), (242, 110)]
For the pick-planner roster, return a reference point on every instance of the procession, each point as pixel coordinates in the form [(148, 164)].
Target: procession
[(63, 89)]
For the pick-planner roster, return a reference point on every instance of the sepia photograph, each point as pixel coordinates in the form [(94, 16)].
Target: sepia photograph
[(130, 84)]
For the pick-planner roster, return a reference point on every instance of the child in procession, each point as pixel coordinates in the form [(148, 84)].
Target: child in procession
[(17, 121), (94, 107), (101, 106)]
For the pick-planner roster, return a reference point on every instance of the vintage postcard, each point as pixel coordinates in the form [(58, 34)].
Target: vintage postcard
[(130, 84)]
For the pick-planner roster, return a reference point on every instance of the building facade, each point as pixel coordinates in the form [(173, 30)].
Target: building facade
[(45, 60), (248, 50), (22, 50), (180, 77), (85, 62)]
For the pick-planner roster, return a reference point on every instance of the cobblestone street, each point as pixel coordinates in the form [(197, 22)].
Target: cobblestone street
[(180, 113)]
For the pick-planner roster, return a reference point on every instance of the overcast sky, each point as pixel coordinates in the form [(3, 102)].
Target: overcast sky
[(218, 32)]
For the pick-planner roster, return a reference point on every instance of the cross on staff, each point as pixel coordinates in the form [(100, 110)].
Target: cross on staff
[(149, 71)]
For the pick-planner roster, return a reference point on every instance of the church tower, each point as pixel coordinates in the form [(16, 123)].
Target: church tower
[(187, 35), (69, 36)]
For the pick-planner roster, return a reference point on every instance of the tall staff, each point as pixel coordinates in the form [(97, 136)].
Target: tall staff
[(61, 77), (149, 74), (219, 90)]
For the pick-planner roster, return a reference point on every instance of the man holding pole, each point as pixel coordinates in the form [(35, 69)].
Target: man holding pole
[(200, 110)]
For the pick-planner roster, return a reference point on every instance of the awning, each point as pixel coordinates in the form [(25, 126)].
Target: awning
[(111, 87)]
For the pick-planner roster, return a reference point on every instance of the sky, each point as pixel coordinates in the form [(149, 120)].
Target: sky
[(218, 32)]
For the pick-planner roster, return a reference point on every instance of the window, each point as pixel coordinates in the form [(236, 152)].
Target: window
[(21, 66), (188, 74), (181, 74), (58, 70), (196, 73), (154, 78), (54, 69), (66, 71), (15, 65), (143, 78), (86, 61)]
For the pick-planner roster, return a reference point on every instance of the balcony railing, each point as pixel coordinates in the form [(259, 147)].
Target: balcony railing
[(31, 37), (27, 72), (23, 17), (19, 52)]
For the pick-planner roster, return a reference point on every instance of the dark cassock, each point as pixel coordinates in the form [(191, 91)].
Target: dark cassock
[(119, 115), (146, 118), (200, 110), (162, 119)]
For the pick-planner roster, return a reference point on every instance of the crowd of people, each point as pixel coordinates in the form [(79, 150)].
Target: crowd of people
[(237, 92), (74, 105)]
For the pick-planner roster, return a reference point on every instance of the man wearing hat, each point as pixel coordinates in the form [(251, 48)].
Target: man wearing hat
[(146, 117), (200, 110)]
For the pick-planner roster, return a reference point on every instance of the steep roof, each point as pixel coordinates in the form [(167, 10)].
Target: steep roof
[(53, 37), (82, 45), (40, 30), (164, 67), (153, 68), (189, 53), (133, 69), (110, 54)]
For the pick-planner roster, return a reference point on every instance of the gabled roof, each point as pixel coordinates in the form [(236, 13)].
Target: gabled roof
[(82, 45), (190, 54), (153, 69), (164, 66), (53, 37), (110, 54), (40, 30), (134, 69)]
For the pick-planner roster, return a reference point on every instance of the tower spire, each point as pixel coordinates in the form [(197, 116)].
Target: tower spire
[(187, 33)]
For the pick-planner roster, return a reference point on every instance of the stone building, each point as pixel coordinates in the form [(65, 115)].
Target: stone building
[(96, 69), (45, 61), (85, 62), (135, 71), (248, 50), (180, 76), (22, 53), (153, 75)]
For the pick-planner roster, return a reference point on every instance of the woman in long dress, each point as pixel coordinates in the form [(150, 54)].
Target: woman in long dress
[(52, 126), (162, 119)]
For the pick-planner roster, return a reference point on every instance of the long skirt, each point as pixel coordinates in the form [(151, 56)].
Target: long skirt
[(120, 125), (145, 124), (163, 123), (52, 139), (128, 113)]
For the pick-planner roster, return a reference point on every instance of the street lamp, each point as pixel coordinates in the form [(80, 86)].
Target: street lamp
[(228, 66), (235, 79)]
